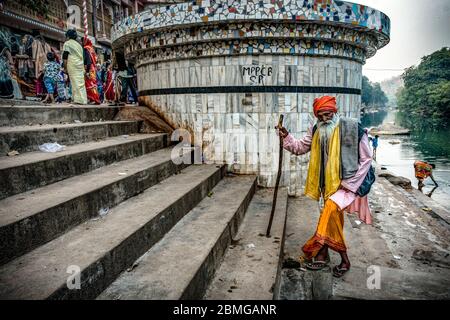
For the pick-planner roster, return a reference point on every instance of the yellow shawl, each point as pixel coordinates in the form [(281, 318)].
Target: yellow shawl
[(332, 167)]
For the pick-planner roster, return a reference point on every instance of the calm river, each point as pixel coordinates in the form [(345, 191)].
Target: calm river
[(432, 147)]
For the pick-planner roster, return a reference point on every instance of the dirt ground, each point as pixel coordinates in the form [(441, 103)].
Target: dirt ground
[(404, 254)]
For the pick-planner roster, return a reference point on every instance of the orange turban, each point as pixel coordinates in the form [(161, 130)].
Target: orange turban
[(325, 103)]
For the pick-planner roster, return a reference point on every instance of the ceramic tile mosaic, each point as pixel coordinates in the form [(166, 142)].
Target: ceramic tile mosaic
[(225, 71), (249, 30), (252, 39), (200, 12), (241, 47)]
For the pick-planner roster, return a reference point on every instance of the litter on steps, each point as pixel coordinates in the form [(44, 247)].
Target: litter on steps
[(51, 147)]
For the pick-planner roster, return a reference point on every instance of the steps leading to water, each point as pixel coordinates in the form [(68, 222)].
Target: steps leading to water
[(21, 115), (34, 217), (181, 265), (105, 247), (28, 138), (120, 212), (252, 254), (36, 169)]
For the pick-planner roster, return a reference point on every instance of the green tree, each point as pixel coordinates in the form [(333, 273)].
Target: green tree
[(425, 99), (372, 95), (378, 96), (366, 91)]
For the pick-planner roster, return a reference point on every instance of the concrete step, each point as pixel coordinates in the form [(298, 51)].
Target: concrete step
[(57, 114), (101, 249), (298, 283), (32, 218), (384, 283), (36, 169), (386, 257), (252, 265), (181, 265), (28, 138), (367, 248), (20, 102)]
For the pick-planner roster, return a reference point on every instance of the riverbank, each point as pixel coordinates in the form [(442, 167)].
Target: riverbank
[(404, 254), (399, 156), (389, 129)]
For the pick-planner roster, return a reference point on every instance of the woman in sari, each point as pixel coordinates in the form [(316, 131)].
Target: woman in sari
[(9, 87), (74, 67), (6, 84), (100, 82), (91, 72), (109, 84), (25, 67)]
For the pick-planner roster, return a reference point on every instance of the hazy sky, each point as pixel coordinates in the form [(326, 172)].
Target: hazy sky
[(418, 28)]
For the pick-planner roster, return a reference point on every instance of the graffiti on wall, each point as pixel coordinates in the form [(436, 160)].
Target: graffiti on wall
[(256, 74)]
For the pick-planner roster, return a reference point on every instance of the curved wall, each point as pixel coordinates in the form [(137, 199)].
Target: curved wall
[(225, 70)]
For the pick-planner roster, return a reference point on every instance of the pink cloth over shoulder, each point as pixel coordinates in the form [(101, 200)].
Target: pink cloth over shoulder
[(298, 146), (346, 198)]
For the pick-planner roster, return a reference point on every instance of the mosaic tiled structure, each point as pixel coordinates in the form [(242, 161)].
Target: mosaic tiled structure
[(225, 70)]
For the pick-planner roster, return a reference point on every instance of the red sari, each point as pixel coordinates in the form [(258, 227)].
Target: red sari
[(109, 87), (91, 80)]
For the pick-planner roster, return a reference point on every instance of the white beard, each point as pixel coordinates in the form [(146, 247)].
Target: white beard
[(326, 128)]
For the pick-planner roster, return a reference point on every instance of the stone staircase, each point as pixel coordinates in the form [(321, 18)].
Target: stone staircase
[(115, 208)]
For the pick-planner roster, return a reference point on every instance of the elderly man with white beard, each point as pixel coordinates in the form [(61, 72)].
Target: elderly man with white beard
[(339, 163)]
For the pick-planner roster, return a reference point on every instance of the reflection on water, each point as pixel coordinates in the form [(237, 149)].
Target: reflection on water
[(432, 147), (373, 119)]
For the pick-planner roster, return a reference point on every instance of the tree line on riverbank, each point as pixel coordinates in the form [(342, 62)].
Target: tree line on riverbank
[(372, 96), (424, 101)]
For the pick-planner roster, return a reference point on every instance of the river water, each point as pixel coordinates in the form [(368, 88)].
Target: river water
[(432, 147)]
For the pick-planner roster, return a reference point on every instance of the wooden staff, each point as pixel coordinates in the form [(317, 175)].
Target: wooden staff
[(280, 161)]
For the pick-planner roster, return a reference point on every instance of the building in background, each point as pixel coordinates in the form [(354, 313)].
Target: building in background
[(49, 18), (150, 4), (29, 29)]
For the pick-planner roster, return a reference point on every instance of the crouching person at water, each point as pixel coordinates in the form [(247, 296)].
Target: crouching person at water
[(422, 171), (339, 164)]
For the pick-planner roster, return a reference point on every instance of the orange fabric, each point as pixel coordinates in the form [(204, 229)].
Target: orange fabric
[(325, 103), (109, 91), (91, 80), (422, 169), (330, 231)]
